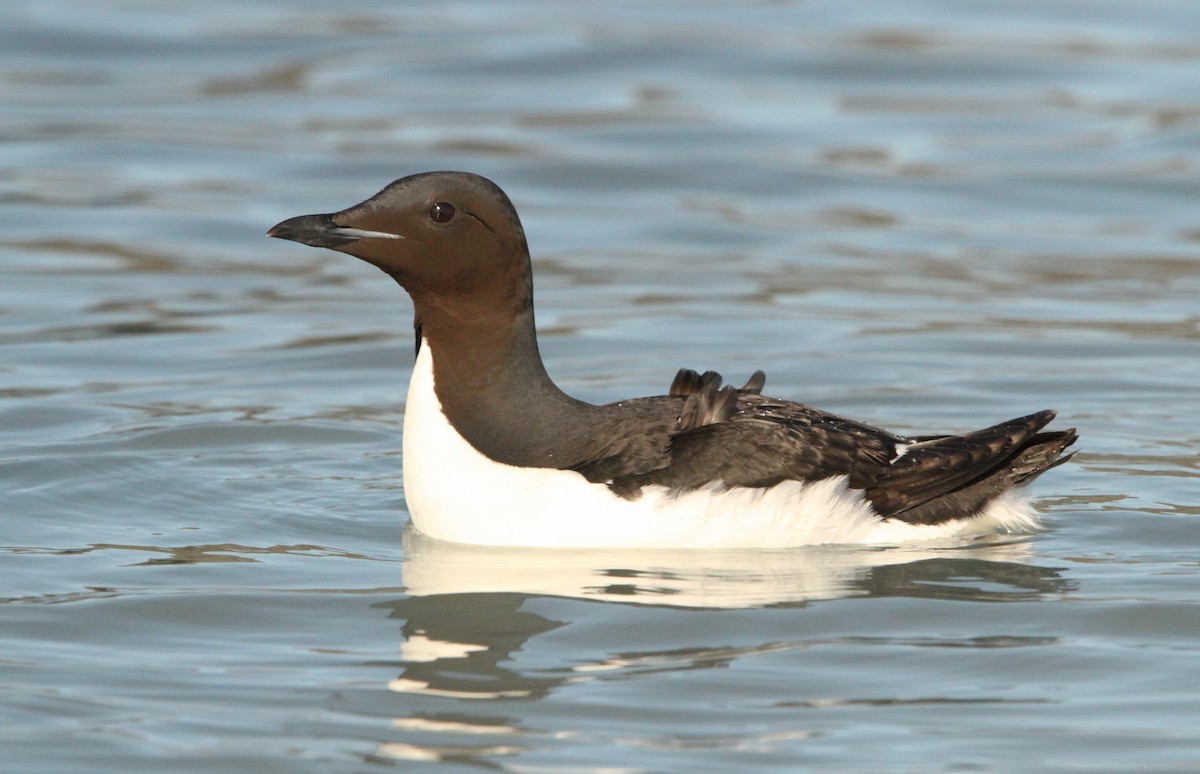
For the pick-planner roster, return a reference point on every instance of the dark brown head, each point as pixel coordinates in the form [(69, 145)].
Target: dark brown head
[(450, 238), (453, 240)]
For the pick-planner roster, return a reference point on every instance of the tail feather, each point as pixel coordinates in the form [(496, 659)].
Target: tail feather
[(952, 477)]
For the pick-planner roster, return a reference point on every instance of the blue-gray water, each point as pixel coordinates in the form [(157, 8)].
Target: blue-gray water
[(928, 215)]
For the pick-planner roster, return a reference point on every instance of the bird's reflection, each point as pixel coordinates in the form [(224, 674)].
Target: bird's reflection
[(730, 578), (464, 618), (467, 617), (456, 645)]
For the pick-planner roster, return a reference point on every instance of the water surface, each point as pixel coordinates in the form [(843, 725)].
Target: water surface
[(930, 217)]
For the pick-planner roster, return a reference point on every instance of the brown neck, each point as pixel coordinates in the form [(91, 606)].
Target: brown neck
[(492, 384)]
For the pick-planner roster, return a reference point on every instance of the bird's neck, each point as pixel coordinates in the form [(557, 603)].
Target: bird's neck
[(492, 386)]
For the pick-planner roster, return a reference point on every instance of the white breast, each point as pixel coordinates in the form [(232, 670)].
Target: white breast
[(456, 493)]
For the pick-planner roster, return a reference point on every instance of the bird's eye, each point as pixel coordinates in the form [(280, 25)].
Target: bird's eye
[(441, 212)]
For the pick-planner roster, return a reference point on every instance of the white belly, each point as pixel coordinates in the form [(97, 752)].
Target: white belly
[(456, 493)]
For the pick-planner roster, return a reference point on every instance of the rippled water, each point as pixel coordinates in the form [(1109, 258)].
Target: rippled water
[(928, 217)]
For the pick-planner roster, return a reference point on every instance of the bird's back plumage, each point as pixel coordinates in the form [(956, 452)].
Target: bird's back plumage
[(739, 438)]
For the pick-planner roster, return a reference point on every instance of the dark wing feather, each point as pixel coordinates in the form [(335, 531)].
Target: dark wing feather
[(650, 421), (737, 438), (754, 385), (934, 467), (709, 407), (704, 433), (688, 382), (760, 450), (1042, 452), (695, 401)]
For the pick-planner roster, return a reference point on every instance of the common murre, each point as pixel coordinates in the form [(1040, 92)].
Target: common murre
[(495, 453)]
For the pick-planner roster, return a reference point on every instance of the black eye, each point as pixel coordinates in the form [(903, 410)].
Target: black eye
[(442, 212)]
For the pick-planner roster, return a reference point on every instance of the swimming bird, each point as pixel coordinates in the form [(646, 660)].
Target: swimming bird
[(495, 453)]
